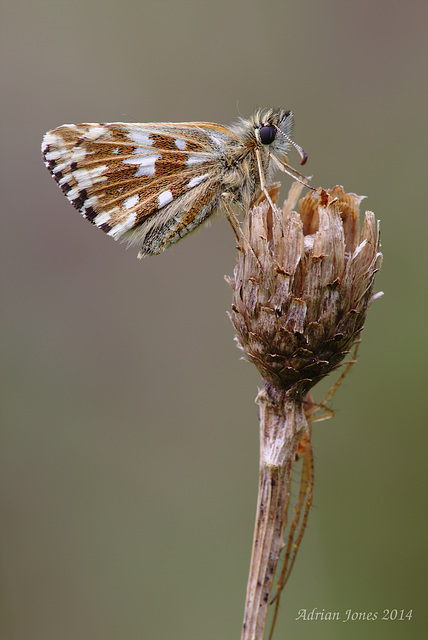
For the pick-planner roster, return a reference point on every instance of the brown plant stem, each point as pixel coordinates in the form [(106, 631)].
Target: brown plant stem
[(282, 425)]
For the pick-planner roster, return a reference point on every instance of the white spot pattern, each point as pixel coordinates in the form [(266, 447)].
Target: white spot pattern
[(197, 180), (79, 154), (165, 197), (138, 136), (95, 132), (101, 218), (122, 227), (147, 164), (87, 177), (196, 159), (132, 201)]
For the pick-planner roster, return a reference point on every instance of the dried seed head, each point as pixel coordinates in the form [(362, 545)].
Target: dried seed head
[(302, 285)]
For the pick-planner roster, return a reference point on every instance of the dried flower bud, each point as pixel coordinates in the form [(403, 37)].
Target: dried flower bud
[(301, 288), (302, 285)]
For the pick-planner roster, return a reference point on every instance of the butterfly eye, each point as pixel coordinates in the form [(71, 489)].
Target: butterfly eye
[(267, 134)]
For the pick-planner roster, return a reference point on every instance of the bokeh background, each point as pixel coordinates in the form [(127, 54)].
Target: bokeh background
[(130, 433)]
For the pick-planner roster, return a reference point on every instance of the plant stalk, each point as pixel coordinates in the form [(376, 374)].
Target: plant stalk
[(282, 424)]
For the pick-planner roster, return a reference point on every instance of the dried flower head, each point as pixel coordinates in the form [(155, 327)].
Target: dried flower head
[(301, 289), (302, 285)]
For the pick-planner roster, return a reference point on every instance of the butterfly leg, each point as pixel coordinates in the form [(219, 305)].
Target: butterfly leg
[(234, 223), (263, 183), (291, 172), (304, 502), (233, 220)]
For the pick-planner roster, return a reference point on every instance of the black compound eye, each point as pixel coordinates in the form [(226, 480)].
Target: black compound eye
[(267, 134)]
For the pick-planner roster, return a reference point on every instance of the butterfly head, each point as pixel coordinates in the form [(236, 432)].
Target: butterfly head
[(273, 128)]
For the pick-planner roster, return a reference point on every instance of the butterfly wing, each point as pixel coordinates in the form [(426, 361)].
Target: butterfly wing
[(147, 183)]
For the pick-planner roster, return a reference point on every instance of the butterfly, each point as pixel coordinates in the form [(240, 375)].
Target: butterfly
[(152, 184)]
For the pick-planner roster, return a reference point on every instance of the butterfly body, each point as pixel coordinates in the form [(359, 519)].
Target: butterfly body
[(154, 183)]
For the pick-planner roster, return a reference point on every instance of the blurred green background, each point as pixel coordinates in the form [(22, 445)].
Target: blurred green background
[(130, 433)]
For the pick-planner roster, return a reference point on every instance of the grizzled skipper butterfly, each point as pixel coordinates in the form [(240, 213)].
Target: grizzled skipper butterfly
[(151, 184)]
